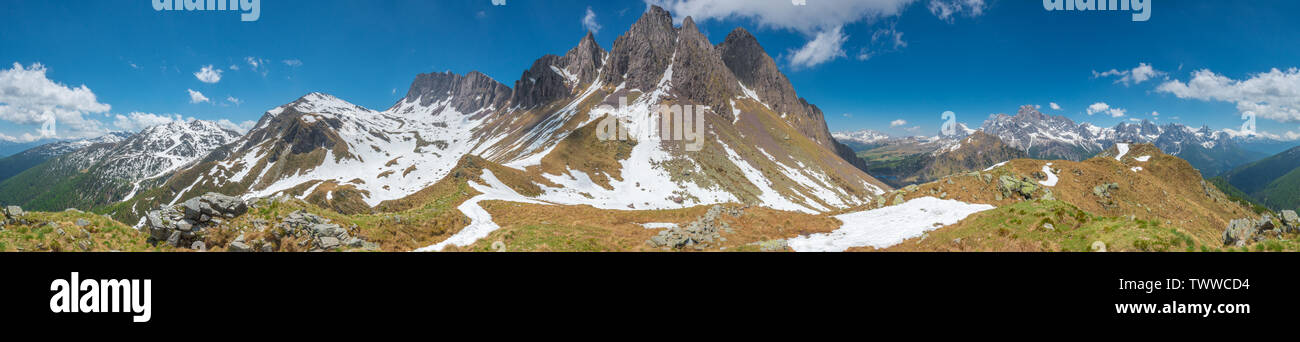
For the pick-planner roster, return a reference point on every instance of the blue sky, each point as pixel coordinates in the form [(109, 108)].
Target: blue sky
[(1206, 61)]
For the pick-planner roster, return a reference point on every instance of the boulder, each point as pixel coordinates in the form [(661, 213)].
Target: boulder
[(1291, 222), (13, 211), (199, 246), (239, 246), (1239, 232), (327, 229), (1098, 246), (328, 243)]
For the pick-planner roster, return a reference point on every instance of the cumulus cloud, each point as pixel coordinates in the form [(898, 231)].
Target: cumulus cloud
[(1054, 106), (1271, 95), (241, 127), (1142, 73), (28, 97), (589, 21), (293, 63), (136, 121), (1102, 107), (897, 123), (825, 47), (821, 22), (197, 97), (208, 74), (234, 100)]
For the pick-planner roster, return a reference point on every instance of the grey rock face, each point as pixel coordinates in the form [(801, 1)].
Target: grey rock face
[(13, 211), (644, 52), (540, 84), (82, 223), (470, 93), (751, 64)]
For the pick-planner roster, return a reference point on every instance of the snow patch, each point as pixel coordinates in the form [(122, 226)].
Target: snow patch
[(1143, 158), (881, 228), (1051, 177), (1123, 150)]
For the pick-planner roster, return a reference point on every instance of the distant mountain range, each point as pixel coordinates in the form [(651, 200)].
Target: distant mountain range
[(1273, 181), (1043, 136), (91, 173), (28, 158)]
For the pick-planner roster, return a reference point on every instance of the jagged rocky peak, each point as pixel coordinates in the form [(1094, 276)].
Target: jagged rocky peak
[(751, 64), (642, 54), (469, 93), (543, 83), (698, 71), (584, 61), (554, 77), (1030, 112)]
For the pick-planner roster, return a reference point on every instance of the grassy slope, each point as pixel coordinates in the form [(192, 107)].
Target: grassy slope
[(101, 235)]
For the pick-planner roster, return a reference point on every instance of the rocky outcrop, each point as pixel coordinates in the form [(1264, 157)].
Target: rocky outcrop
[(318, 233), (1242, 232), (705, 232), (11, 215), (184, 224), (1011, 187)]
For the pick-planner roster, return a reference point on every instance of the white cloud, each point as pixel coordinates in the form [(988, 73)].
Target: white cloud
[(847, 115), (1142, 73), (234, 100), (1102, 107), (897, 123), (197, 97), (136, 121), (498, 2), (28, 97), (208, 74), (1271, 95), (1054, 106), (947, 10), (825, 47), (241, 127), (589, 21), (234, 67), (293, 63)]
